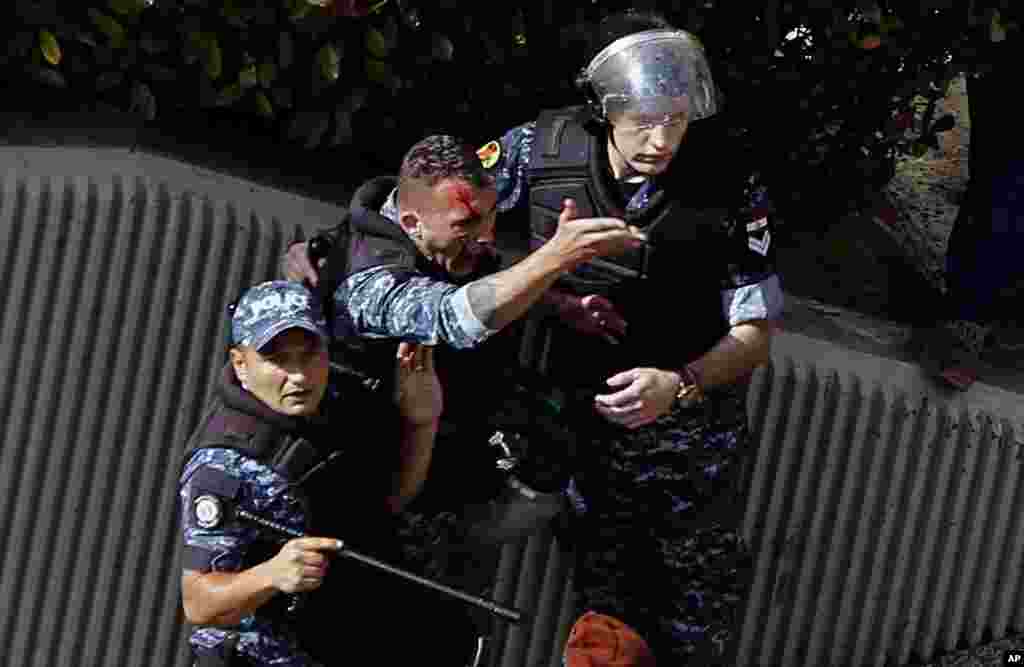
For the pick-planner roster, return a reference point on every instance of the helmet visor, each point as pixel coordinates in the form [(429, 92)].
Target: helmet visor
[(654, 73)]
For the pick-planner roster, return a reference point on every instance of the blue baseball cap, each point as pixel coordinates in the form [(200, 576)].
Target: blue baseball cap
[(270, 308)]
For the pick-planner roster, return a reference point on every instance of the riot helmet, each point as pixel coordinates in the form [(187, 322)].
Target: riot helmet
[(652, 74)]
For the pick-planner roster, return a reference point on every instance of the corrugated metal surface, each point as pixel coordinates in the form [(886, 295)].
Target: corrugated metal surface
[(534, 575), (115, 273), (883, 512)]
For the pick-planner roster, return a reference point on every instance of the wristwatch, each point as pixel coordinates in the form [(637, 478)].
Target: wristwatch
[(689, 392)]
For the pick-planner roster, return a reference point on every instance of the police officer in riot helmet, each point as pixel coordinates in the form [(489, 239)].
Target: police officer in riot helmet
[(666, 335), (284, 443)]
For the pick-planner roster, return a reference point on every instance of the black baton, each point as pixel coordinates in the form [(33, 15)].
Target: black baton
[(511, 615)]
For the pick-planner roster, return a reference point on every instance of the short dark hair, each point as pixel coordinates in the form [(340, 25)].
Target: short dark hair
[(438, 157)]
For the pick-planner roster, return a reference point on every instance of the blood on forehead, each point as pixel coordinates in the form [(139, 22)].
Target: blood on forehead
[(461, 194), (464, 197)]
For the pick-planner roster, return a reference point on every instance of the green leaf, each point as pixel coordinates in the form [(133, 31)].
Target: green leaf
[(554, 405), (248, 77), (212, 58), (263, 106), (50, 47), (267, 74), (109, 27), (126, 7), (890, 24), (235, 15), (380, 72), (997, 28), (375, 9), (918, 149), (329, 61), (376, 44), (298, 9), (229, 95)]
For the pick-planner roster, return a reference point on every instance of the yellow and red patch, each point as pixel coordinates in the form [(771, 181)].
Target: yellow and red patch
[(489, 154)]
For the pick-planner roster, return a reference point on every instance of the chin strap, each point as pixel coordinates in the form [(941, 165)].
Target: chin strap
[(631, 174), (642, 197)]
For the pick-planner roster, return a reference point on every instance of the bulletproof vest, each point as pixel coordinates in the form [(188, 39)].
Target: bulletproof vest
[(342, 473), (463, 373), (480, 385), (669, 291)]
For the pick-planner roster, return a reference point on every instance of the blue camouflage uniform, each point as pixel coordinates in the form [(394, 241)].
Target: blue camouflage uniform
[(264, 493), (245, 456), (381, 303), (659, 507)]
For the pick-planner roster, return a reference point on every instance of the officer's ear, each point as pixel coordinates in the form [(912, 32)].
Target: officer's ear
[(410, 221), (238, 363)]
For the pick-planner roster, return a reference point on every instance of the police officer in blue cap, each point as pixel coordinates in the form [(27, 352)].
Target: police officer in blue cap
[(284, 441)]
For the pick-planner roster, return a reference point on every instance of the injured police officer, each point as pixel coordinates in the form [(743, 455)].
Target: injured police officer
[(421, 267), (282, 448)]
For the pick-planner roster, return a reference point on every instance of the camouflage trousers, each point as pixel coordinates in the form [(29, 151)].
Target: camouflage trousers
[(658, 538)]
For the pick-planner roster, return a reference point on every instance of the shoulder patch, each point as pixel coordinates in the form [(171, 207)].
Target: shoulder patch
[(760, 245), (208, 511), (489, 154)]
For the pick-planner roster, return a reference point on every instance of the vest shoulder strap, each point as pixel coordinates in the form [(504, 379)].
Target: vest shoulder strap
[(376, 241), (561, 146), (287, 454)]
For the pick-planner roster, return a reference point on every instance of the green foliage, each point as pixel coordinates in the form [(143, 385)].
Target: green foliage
[(825, 93)]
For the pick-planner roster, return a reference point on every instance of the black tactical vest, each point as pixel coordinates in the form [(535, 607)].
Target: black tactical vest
[(669, 291), (342, 463), (467, 376)]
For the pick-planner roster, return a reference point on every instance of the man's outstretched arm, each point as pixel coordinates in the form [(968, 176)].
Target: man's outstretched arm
[(387, 302)]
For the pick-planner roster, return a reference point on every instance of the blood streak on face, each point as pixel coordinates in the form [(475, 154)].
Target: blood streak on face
[(461, 194), (461, 212)]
